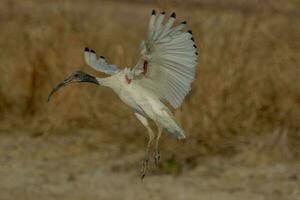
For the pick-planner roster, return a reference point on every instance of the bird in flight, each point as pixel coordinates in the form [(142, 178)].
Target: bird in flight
[(164, 72)]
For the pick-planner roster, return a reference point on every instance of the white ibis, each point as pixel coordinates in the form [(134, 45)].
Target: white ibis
[(164, 71)]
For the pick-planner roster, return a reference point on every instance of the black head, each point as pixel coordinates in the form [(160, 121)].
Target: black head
[(75, 77), (80, 76)]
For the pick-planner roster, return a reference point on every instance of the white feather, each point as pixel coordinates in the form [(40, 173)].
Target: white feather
[(171, 58), (99, 64)]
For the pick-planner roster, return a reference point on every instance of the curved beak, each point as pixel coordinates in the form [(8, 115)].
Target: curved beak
[(60, 85), (76, 77)]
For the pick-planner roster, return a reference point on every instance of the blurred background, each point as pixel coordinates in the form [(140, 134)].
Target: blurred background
[(242, 116)]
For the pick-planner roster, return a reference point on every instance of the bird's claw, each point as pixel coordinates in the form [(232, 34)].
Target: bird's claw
[(145, 165), (144, 168), (156, 157)]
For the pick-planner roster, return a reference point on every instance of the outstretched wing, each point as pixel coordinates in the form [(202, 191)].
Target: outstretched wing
[(168, 59), (99, 64)]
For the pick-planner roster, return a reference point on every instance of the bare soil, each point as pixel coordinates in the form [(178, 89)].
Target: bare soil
[(82, 165)]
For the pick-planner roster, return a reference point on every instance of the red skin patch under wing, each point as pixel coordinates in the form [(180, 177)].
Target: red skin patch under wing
[(145, 67), (128, 79)]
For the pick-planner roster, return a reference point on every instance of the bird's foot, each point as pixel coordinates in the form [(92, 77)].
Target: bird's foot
[(144, 168), (156, 157)]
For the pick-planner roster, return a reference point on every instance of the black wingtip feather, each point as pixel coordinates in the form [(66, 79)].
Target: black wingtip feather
[(192, 39), (195, 46), (173, 15), (153, 12), (86, 49), (92, 51), (184, 22), (196, 53), (162, 13), (189, 31), (102, 57)]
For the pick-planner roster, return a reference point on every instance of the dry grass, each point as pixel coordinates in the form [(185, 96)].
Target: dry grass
[(246, 94)]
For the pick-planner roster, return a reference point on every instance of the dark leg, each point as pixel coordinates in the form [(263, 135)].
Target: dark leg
[(146, 159), (145, 165), (156, 152)]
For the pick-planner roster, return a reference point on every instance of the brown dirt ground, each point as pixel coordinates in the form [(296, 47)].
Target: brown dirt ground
[(82, 165)]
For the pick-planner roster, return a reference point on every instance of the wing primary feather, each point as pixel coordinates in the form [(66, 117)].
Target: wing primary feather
[(158, 26), (151, 25), (167, 26), (177, 28), (99, 64), (171, 56)]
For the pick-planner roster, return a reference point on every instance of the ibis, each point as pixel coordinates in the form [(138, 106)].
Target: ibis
[(164, 73)]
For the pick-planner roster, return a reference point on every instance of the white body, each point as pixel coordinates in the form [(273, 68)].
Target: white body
[(142, 101)]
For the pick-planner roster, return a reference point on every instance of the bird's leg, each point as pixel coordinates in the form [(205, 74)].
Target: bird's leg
[(156, 151), (146, 159), (144, 121)]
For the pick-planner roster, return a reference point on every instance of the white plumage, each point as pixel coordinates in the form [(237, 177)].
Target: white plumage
[(164, 71), (99, 64), (171, 57)]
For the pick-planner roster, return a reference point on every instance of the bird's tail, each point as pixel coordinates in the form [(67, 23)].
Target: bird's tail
[(168, 121)]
